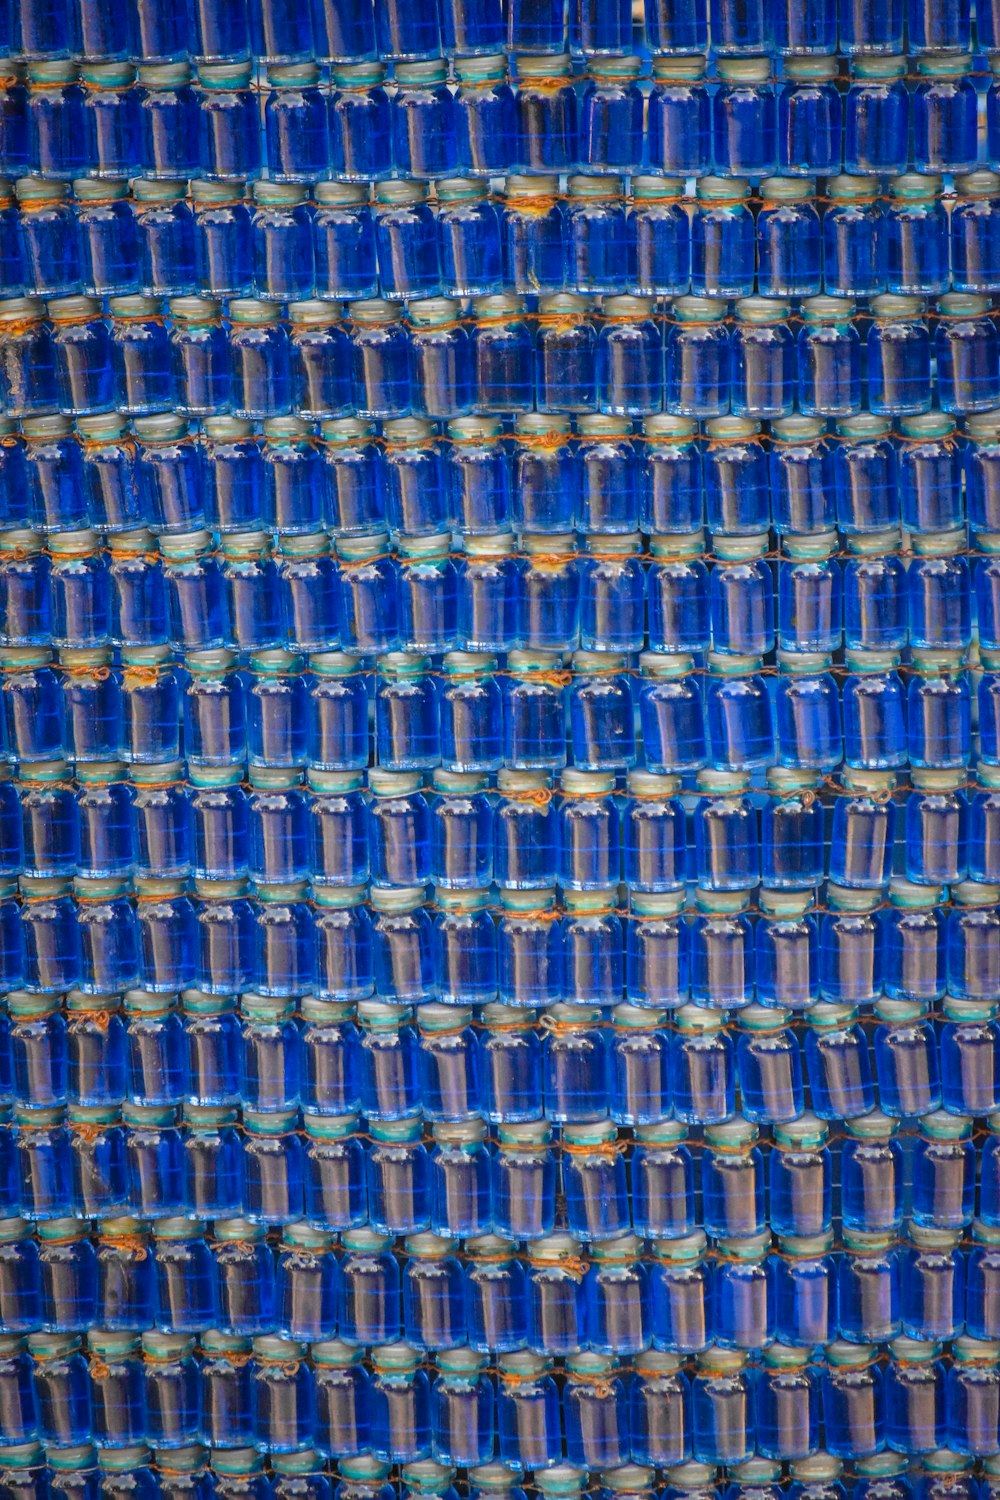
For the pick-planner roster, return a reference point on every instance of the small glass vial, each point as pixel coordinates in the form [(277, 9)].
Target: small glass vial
[(788, 239), (200, 353), (108, 246), (876, 116), (763, 361), (259, 350), (229, 122), (223, 251), (898, 357), (768, 1066), (974, 223), (721, 1408)]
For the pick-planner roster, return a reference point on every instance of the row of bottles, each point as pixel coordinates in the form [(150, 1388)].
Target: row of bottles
[(535, 607), (542, 480), (628, 360), (576, 1065), (353, 30), (36, 1473), (329, 1406), (787, 1301), (174, 238), (287, 943), (61, 122)]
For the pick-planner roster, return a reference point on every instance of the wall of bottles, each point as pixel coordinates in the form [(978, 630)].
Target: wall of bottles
[(499, 750)]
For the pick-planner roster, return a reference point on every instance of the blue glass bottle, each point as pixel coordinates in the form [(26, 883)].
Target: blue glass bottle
[(108, 245), (602, 711), (342, 1401), (973, 231), (565, 350), (295, 123), (629, 358), (768, 1066), (596, 235), (495, 1296), (422, 111), (484, 115), (853, 260), (721, 1408), (611, 116), (533, 235), (722, 241), (169, 116), (282, 243), (871, 1169), (228, 125), (744, 119), (914, 237), (786, 1406), (381, 360), (200, 353), (501, 347), (112, 119), (943, 1190), (876, 116), (965, 355), (49, 238), (165, 227), (913, 943), (970, 942), (56, 140), (34, 708), (874, 617), (359, 124), (763, 362), (140, 352), (829, 359), (944, 115), (462, 1405), (27, 361), (898, 357), (809, 116), (679, 130), (337, 735), (223, 254)]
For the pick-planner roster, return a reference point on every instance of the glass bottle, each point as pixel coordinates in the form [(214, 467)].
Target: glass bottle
[(914, 237), (969, 1389), (965, 355), (49, 238), (485, 115), (27, 370), (200, 353), (971, 942), (441, 372), (876, 116), (228, 122), (533, 236), (850, 953), (721, 1408), (762, 353), (768, 1065), (165, 227), (524, 1181), (943, 1174), (722, 246), (788, 239), (108, 247), (898, 357), (973, 228), (141, 356), (223, 255), (786, 1407)]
